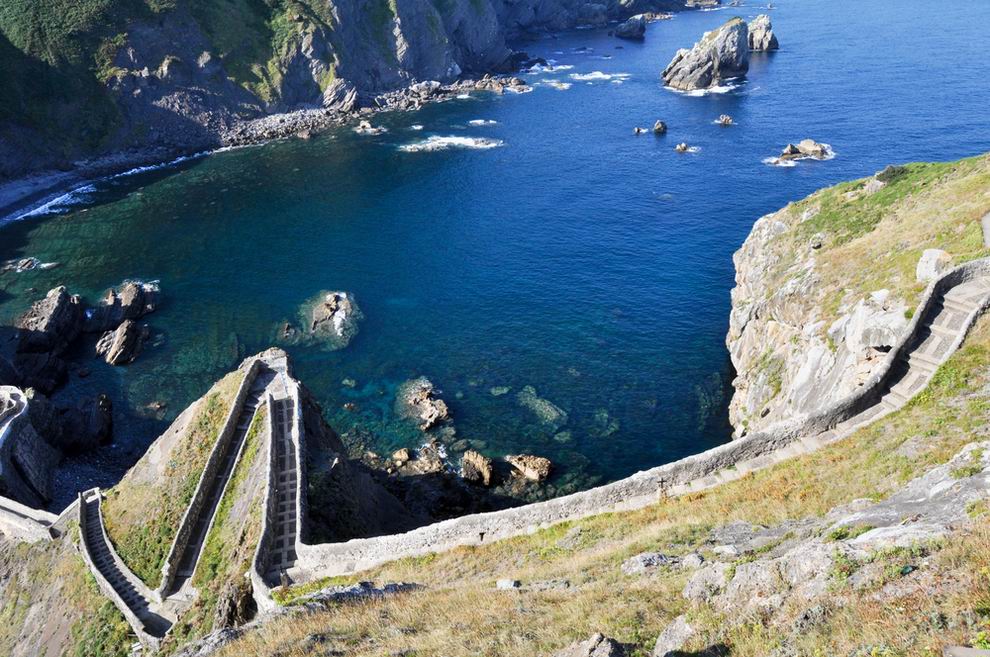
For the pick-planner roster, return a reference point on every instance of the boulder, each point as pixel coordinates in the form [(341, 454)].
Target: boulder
[(597, 645), (719, 55), (333, 318), (122, 346), (806, 148), (932, 264), (659, 128), (534, 468), (416, 400), (681, 147), (476, 467), (634, 28), (673, 638), (51, 324), (647, 562), (761, 36), (724, 120), (132, 300)]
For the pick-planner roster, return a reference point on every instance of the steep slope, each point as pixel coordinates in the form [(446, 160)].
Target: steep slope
[(824, 286), (101, 76)]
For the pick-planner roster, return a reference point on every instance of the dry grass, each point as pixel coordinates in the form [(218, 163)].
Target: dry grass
[(458, 612)]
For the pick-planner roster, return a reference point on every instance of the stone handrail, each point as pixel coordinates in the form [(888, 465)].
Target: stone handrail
[(642, 488), (105, 587), (260, 589), (210, 471)]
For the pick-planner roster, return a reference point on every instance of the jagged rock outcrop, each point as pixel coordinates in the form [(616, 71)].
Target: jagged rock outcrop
[(533, 468), (789, 361), (761, 36), (721, 54), (51, 324), (633, 28), (476, 467), (132, 300), (122, 345), (806, 148), (416, 400)]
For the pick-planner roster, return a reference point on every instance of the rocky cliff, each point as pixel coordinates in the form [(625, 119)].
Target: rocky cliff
[(825, 286), (177, 75)]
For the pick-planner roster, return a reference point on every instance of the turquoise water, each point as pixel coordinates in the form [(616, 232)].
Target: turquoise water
[(574, 257)]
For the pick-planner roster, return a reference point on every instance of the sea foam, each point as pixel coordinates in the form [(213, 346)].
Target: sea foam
[(598, 75), (437, 143)]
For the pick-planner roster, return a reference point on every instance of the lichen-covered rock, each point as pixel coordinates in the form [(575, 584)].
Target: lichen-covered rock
[(673, 638), (534, 468), (597, 645), (477, 468), (721, 54), (932, 264), (416, 400), (647, 562), (761, 36)]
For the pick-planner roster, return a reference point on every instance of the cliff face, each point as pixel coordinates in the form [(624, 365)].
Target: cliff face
[(177, 74), (825, 286)]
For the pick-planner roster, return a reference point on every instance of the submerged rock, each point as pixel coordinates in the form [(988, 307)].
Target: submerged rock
[(416, 400), (761, 36), (534, 468), (719, 55), (365, 128), (122, 346), (546, 411), (634, 28)]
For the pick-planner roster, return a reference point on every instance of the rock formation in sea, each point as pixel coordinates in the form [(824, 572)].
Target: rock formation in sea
[(761, 36), (331, 318), (634, 28), (720, 55), (416, 400)]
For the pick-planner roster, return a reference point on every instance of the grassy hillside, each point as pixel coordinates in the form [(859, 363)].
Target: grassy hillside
[(458, 612), (143, 511)]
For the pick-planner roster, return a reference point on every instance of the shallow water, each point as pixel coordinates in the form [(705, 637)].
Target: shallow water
[(568, 254)]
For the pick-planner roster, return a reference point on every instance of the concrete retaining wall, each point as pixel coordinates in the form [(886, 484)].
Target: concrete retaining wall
[(640, 489), (209, 473)]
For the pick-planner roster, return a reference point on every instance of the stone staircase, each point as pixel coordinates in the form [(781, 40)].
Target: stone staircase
[(214, 492), (285, 528), (126, 589)]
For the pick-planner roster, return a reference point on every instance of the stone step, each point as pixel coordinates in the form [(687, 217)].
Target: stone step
[(921, 361), (957, 306), (942, 331)]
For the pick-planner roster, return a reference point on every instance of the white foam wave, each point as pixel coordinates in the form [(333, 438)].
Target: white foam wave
[(598, 75), (550, 67), (558, 85), (482, 122), (697, 93), (520, 90), (438, 143), (463, 96), (791, 162), (416, 126), (777, 162), (61, 204)]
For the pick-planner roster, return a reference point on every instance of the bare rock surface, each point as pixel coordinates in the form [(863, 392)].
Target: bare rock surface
[(416, 400), (634, 28), (122, 345), (132, 300), (477, 468), (761, 36), (52, 323), (720, 55), (597, 645), (533, 468), (932, 264)]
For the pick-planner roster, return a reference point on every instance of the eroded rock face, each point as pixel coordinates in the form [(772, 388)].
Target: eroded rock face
[(806, 148), (122, 346), (130, 301), (533, 468), (51, 324), (789, 361), (720, 55), (477, 468), (634, 28), (761, 36), (416, 400)]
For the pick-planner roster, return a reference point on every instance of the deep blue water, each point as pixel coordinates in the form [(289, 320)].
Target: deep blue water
[(590, 263)]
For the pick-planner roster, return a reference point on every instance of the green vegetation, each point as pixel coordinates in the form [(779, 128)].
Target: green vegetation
[(230, 545), (143, 512), (107, 634), (971, 469), (456, 613)]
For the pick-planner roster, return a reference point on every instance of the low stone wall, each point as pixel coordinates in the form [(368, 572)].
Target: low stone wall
[(22, 523), (209, 473), (259, 565), (85, 550), (638, 490)]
